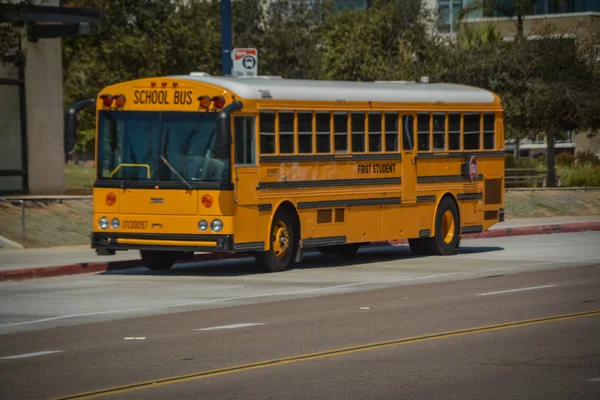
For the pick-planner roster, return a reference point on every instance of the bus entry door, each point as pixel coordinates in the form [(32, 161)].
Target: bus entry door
[(409, 161)]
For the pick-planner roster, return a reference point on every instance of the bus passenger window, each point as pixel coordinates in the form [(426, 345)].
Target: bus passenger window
[(305, 130), (488, 131), (375, 132), (408, 129), (391, 131), (286, 132), (454, 131), (472, 131), (340, 132), (267, 132), (358, 132), (244, 140), (439, 131), (423, 131), (323, 132)]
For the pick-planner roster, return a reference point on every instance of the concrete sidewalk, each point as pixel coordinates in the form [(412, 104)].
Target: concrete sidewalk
[(18, 264)]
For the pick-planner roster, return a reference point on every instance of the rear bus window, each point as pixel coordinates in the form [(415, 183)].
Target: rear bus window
[(488, 131), (286, 132), (305, 131), (267, 132), (472, 131), (375, 132), (323, 132)]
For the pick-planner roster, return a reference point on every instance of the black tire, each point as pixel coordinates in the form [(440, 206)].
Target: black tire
[(447, 234), (159, 260), (340, 249), (419, 247), (275, 259)]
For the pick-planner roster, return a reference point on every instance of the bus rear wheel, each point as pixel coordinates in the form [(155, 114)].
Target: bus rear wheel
[(341, 249), (447, 229), (159, 260), (284, 244)]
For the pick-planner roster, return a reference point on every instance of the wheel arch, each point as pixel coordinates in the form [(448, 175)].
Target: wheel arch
[(451, 196), (288, 206)]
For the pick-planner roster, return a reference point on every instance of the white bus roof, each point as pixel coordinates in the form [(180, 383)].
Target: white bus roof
[(311, 90)]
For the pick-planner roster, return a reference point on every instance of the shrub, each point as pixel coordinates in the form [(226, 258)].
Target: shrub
[(511, 162), (565, 159), (586, 157), (584, 175)]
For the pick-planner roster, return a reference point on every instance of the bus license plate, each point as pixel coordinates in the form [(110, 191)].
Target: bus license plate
[(135, 224)]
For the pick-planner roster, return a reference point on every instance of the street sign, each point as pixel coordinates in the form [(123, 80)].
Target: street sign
[(245, 62)]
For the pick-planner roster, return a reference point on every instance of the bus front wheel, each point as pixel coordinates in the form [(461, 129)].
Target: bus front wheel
[(284, 244), (159, 260), (447, 229)]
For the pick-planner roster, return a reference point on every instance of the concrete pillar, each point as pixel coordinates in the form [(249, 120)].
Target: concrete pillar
[(44, 100)]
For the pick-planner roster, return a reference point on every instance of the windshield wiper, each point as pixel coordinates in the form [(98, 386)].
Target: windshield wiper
[(172, 168)]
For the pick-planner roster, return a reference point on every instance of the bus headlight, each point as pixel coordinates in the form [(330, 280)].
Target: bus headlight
[(216, 225), (203, 225), (115, 223), (103, 223)]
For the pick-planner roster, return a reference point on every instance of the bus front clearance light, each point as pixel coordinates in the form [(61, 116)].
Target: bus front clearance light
[(202, 225), (107, 100), (103, 223), (115, 223), (216, 225)]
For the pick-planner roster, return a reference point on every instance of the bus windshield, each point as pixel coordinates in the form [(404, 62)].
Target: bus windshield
[(160, 146)]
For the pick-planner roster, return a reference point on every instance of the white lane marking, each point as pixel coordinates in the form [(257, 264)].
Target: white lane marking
[(135, 338), (234, 326), (194, 303), (516, 290), (27, 355), (595, 380)]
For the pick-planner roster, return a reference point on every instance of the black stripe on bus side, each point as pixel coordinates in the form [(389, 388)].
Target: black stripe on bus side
[(445, 178), (250, 246), (324, 241), (472, 229), (426, 199), (330, 157), (470, 196), (462, 154), (327, 183), (424, 233), (349, 203), (265, 207)]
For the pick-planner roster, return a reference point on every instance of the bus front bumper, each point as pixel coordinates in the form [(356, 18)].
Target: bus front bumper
[(107, 243)]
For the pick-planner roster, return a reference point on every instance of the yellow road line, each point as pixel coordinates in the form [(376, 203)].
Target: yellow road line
[(322, 354)]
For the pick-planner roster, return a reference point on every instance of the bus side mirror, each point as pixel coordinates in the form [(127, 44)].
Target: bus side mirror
[(70, 133)]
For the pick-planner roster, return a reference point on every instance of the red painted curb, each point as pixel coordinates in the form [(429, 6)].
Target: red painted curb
[(86, 268)]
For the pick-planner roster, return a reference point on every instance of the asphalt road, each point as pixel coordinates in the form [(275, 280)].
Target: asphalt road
[(506, 318)]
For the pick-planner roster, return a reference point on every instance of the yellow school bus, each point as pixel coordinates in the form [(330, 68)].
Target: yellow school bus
[(272, 166)]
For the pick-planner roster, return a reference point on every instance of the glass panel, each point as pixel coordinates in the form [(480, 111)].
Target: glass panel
[(488, 131), (408, 129), (188, 141), (323, 132), (267, 132), (11, 184), (286, 132), (340, 132), (358, 132), (439, 131), (391, 132), (454, 131), (10, 129), (423, 131), (304, 132), (375, 132), (244, 140), (472, 131)]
